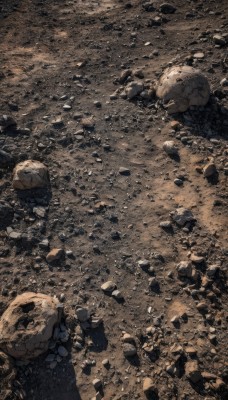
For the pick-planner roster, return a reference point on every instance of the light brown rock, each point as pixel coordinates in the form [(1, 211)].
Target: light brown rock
[(196, 259), (108, 286), (181, 87), (54, 255), (30, 174), (27, 325), (192, 371), (88, 123), (184, 269), (133, 89), (202, 307), (127, 338), (149, 386)]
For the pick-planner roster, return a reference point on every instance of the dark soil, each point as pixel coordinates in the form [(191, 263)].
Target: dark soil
[(78, 49)]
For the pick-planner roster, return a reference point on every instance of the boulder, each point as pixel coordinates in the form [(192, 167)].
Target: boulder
[(30, 174), (27, 325), (181, 87)]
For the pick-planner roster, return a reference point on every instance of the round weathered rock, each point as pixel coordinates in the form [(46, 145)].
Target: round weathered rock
[(30, 174), (129, 350), (170, 148), (209, 170), (27, 325), (108, 286), (133, 89), (181, 87), (82, 314), (62, 351)]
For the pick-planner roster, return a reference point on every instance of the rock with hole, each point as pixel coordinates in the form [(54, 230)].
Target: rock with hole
[(27, 325)]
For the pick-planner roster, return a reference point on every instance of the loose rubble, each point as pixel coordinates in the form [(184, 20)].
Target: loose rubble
[(113, 211)]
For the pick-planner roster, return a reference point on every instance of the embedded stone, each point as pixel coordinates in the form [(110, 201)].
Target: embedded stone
[(181, 87), (30, 174)]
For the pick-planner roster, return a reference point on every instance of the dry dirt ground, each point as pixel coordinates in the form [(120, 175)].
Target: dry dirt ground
[(58, 53)]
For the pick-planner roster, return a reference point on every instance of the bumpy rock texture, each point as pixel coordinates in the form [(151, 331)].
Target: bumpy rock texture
[(30, 174), (27, 325), (181, 87)]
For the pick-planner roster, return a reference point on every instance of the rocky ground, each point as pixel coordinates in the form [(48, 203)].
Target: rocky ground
[(141, 282)]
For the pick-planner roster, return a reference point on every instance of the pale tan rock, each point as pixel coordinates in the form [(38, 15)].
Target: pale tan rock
[(27, 325), (149, 386), (196, 259), (88, 123), (202, 307), (30, 174), (191, 351), (181, 87), (54, 255), (192, 371), (108, 286), (133, 89), (127, 338), (219, 385)]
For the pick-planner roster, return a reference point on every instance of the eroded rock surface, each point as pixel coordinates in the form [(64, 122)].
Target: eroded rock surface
[(30, 174), (27, 325), (181, 87)]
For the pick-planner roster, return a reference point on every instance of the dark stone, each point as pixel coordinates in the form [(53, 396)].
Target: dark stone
[(6, 215), (167, 8), (5, 159)]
